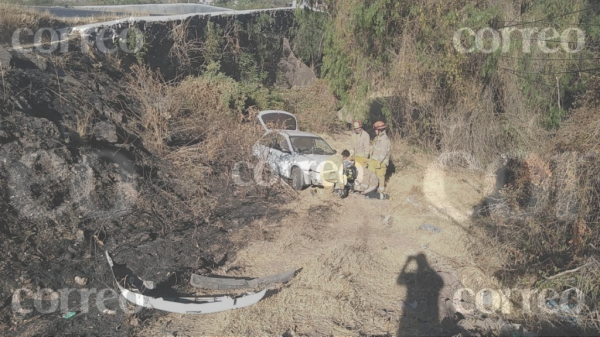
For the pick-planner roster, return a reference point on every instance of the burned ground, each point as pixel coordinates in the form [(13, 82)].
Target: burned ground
[(76, 182)]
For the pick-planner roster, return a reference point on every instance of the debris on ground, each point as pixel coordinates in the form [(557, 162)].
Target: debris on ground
[(565, 311), (81, 280), (222, 283), (180, 305), (70, 190), (289, 333), (388, 220), (69, 314), (431, 228), (134, 322), (413, 305), (489, 326), (80, 236), (412, 199), (385, 312)]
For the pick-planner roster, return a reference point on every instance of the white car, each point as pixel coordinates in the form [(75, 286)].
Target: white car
[(300, 157)]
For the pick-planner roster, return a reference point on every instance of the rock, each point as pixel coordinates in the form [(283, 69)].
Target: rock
[(295, 73), (466, 328), (486, 325), (81, 280), (412, 305), (431, 228), (35, 59), (509, 330), (411, 199), (289, 333), (68, 256), (387, 220), (134, 322), (385, 312), (109, 312), (344, 116), (106, 131), (80, 236)]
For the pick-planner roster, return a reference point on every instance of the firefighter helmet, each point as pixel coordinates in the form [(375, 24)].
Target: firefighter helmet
[(379, 125)]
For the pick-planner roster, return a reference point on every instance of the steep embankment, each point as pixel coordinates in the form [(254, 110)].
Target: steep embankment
[(99, 154)]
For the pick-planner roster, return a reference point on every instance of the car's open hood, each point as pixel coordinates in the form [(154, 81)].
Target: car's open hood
[(277, 120)]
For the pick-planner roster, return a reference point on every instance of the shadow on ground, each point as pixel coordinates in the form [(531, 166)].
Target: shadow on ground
[(421, 312)]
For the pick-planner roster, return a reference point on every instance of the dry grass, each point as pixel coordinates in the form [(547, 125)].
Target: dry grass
[(198, 138), (462, 112), (544, 220), (83, 122), (13, 17), (315, 107), (2, 73), (159, 102), (59, 63), (184, 50), (350, 264)]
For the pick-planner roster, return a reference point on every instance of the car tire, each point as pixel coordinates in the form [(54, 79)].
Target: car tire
[(297, 179)]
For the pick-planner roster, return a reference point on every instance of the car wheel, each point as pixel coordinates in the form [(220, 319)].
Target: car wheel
[(297, 179)]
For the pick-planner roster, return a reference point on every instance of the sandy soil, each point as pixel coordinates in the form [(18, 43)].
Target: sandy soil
[(358, 275)]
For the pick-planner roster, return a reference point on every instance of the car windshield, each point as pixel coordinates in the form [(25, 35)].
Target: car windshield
[(311, 145)]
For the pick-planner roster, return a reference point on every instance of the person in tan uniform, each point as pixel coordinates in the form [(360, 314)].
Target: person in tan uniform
[(366, 183), (380, 154), (361, 142)]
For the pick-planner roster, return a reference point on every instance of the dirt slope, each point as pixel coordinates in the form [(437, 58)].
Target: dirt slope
[(359, 275), (75, 182)]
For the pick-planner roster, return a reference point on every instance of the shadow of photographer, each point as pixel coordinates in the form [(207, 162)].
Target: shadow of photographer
[(421, 311)]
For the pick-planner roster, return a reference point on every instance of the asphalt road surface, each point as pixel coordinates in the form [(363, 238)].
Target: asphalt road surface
[(130, 10), (63, 12)]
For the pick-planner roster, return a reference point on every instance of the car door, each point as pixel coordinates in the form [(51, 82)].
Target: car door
[(280, 155), (284, 156), (262, 149), (273, 148)]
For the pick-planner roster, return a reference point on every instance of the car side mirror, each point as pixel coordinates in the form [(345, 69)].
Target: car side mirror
[(286, 151)]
